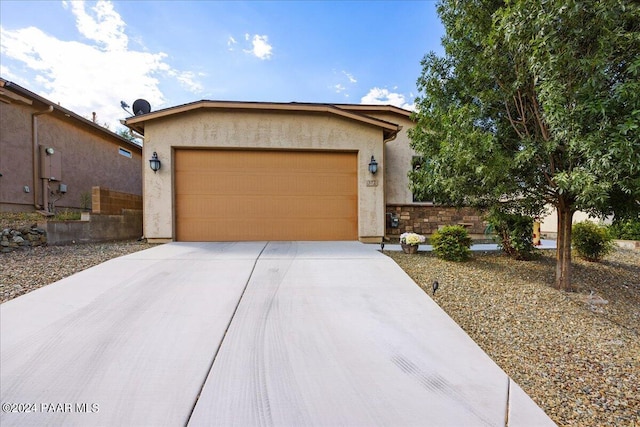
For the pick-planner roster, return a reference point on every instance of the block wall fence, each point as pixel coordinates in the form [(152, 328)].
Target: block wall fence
[(108, 202)]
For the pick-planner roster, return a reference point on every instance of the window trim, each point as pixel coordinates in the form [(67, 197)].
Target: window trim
[(124, 152)]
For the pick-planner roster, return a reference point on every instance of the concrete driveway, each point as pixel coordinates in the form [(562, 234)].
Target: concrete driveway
[(247, 334)]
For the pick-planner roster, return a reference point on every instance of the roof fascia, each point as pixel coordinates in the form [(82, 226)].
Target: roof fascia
[(137, 122), (5, 93), (376, 108)]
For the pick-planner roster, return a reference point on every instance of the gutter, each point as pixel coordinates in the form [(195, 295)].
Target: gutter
[(34, 155), (392, 135)]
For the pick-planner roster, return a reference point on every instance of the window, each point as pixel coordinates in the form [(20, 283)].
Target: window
[(125, 152)]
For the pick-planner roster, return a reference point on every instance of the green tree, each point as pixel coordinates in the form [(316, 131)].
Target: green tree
[(128, 135), (534, 103)]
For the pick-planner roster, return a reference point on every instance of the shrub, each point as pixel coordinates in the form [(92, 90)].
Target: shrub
[(66, 215), (85, 200), (591, 241), (451, 243), (515, 234), (627, 229)]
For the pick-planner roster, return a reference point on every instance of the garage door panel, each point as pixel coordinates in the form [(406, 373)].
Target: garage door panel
[(265, 195), (272, 229), (232, 160), (264, 184), (249, 207)]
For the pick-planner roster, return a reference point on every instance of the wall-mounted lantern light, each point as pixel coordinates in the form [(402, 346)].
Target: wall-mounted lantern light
[(154, 162), (373, 166)]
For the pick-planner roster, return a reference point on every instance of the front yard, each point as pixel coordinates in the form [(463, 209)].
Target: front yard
[(576, 354)]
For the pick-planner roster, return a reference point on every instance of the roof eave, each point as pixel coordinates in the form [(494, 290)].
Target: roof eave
[(376, 108), (137, 122)]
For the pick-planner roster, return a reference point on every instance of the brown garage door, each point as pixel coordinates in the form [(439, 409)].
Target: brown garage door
[(233, 195)]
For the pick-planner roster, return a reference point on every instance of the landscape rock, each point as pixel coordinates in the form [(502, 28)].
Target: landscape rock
[(575, 353)]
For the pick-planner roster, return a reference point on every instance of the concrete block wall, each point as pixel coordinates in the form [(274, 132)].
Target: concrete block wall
[(426, 220), (108, 202), (98, 228)]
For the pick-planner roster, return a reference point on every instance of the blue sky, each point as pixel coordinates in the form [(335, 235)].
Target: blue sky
[(88, 56)]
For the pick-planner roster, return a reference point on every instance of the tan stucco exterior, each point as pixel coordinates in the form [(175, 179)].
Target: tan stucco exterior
[(88, 154), (549, 223), (398, 152), (298, 127)]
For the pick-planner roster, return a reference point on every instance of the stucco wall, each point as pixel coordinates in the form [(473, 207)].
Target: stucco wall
[(398, 156), (549, 223), (88, 158), (263, 130), (15, 156)]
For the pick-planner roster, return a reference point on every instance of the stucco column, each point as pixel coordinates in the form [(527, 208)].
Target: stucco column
[(158, 194)]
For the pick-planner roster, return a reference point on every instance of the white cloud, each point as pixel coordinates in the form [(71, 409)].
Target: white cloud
[(93, 76), (231, 42), (260, 46), (350, 77), (6, 73), (342, 81), (378, 96), (187, 79), (106, 26)]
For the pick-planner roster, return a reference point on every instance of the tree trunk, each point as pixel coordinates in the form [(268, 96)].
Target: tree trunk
[(563, 251)]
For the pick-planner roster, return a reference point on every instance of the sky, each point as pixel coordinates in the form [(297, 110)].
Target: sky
[(88, 56)]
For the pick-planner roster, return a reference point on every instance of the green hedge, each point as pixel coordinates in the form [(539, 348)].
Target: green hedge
[(514, 234), (628, 229), (451, 243), (591, 241)]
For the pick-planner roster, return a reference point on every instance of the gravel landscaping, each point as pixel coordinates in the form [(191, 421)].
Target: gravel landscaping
[(25, 270), (576, 354)]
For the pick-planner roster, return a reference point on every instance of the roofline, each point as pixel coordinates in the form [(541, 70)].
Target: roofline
[(376, 108), (15, 88), (137, 122)]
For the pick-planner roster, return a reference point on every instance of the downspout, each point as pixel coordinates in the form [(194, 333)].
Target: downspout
[(393, 135), (34, 155), (390, 138)]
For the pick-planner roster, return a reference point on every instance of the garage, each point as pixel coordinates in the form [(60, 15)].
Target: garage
[(256, 171), (247, 194)]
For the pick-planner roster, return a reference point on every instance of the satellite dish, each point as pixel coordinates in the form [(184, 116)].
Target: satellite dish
[(141, 106)]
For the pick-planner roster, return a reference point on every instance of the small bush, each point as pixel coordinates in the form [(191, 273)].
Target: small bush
[(67, 215), (85, 200), (628, 229), (515, 234), (451, 243), (591, 241)]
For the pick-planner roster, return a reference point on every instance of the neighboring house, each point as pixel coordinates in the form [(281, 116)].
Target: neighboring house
[(549, 223), (282, 171), (50, 156)]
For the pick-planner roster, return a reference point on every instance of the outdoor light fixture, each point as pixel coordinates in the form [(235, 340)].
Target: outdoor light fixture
[(154, 162), (373, 166)]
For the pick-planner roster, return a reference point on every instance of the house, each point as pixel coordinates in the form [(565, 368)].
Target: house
[(233, 171), (51, 157)]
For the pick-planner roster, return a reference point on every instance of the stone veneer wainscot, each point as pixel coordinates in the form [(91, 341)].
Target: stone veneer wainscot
[(427, 219)]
